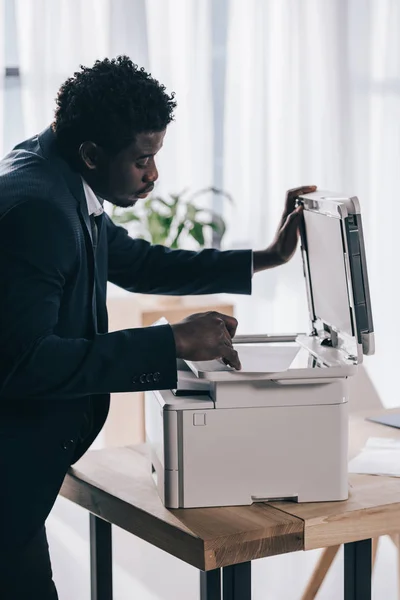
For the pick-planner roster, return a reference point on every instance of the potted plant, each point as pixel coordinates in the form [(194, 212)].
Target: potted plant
[(171, 221)]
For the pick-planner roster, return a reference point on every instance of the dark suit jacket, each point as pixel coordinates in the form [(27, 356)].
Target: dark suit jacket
[(58, 364)]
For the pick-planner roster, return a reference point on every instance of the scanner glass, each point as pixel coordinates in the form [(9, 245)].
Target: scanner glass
[(256, 358), (327, 271)]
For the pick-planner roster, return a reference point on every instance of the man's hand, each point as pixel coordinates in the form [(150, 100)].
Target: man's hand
[(206, 336), (285, 241)]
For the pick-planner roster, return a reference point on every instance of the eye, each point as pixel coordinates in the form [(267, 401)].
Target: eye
[(142, 164)]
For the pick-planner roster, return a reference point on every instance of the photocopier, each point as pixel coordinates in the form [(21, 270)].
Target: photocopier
[(277, 429)]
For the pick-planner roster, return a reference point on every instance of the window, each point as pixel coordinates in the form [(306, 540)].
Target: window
[(13, 119)]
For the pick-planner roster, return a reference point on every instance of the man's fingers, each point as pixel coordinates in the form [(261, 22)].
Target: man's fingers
[(289, 234), (292, 221), (230, 323), (304, 189), (294, 193), (228, 354), (231, 357)]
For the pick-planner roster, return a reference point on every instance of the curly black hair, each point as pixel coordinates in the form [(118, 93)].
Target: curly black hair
[(109, 104)]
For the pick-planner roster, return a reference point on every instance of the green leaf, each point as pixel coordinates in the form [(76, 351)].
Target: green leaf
[(176, 197), (159, 227), (159, 215), (218, 225), (191, 212), (126, 217), (148, 202), (196, 231), (174, 243), (173, 206), (162, 201)]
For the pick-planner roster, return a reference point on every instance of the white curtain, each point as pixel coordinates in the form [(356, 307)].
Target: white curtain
[(2, 75), (313, 96), (375, 143), (179, 47), (55, 37), (172, 39)]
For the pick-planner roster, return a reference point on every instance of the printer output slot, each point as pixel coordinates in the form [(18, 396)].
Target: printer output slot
[(189, 393), (274, 498)]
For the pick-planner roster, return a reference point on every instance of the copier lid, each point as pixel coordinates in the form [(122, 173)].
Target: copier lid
[(335, 270)]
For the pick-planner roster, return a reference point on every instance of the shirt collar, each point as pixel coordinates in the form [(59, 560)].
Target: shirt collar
[(94, 203)]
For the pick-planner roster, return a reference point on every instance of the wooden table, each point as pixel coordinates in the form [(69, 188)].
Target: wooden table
[(116, 487)]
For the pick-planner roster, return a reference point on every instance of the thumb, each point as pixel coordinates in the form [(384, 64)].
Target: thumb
[(293, 219)]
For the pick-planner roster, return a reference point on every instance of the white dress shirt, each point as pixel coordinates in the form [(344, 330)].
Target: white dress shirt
[(94, 205)]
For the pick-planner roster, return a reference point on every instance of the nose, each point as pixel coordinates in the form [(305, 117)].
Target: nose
[(151, 173)]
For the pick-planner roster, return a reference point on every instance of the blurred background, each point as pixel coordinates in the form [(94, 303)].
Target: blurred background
[(272, 94)]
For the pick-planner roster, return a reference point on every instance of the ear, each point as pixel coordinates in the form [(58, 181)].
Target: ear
[(91, 154)]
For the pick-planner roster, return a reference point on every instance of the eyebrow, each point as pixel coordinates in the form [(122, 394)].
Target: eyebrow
[(149, 155)]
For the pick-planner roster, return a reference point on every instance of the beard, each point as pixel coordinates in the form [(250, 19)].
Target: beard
[(122, 203)]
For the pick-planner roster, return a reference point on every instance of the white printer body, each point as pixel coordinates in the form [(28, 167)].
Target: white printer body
[(226, 437)]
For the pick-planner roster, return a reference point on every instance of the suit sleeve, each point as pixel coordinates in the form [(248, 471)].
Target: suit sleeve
[(138, 266), (38, 258)]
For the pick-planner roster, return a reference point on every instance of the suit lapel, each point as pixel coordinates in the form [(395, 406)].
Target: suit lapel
[(83, 209), (73, 180), (47, 141)]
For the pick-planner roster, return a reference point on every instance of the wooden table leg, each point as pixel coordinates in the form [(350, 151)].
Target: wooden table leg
[(357, 570), (326, 559), (100, 559), (375, 542), (395, 537), (210, 585), (237, 582)]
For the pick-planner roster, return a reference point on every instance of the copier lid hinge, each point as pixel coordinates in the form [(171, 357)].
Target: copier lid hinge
[(327, 337)]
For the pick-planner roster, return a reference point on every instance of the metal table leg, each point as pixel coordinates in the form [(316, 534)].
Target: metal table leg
[(210, 585), (100, 559), (357, 570), (237, 582)]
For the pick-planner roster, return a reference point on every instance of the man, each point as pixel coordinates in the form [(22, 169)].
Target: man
[(58, 248)]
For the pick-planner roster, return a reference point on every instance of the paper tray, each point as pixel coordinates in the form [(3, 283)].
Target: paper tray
[(291, 361)]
